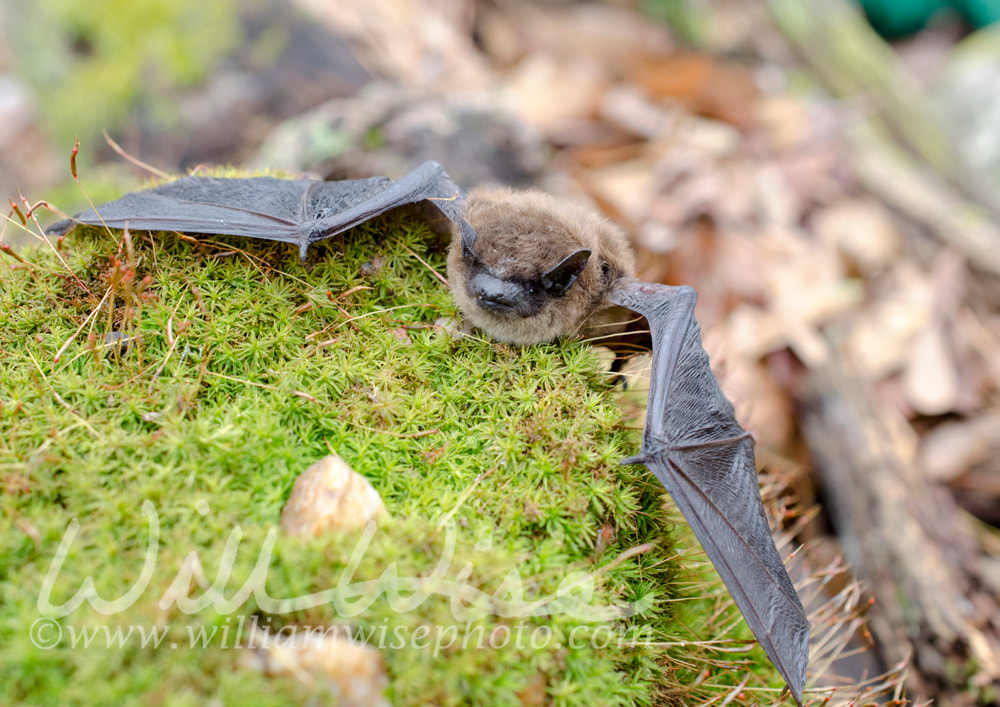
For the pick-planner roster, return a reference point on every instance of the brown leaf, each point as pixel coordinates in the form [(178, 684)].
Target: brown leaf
[(598, 32), (625, 188), (549, 93), (533, 694), (784, 121), (952, 448), (762, 406), (930, 380), (703, 84), (881, 335), (862, 231)]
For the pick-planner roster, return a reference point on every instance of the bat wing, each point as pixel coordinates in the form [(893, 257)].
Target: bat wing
[(259, 207), (334, 210), (294, 211), (696, 448)]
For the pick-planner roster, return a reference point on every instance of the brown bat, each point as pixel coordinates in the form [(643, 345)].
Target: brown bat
[(527, 268)]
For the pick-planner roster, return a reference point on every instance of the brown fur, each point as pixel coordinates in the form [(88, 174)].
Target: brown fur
[(522, 235)]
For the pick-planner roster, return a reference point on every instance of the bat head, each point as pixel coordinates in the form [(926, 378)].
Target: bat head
[(527, 268)]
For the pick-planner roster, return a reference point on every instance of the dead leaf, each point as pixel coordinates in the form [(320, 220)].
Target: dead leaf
[(762, 406), (930, 380), (783, 120), (705, 85), (600, 32), (626, 187), (881, 336), (630, 109), (860, 230), (778, 202), (548, 93), (952, 448)]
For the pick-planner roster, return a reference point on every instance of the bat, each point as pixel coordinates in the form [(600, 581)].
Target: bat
[(526, 267)]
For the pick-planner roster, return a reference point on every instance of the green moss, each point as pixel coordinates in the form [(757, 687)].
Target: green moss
[(244, 368)]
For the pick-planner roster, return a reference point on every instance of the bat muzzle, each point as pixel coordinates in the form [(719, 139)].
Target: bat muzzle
[(501, 297)]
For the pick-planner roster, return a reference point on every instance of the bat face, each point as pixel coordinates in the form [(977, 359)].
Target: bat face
[(537, 269)]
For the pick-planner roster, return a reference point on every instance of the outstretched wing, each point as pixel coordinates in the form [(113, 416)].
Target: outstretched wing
[(334, 209), (257, 207), (696, 448), (294, 211)]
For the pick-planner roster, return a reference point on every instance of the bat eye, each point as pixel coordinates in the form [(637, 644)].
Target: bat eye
[(560, 278), (467, 255)]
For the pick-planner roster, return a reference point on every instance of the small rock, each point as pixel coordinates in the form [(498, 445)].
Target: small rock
[(330, 495), (352, 672), (453, 328)]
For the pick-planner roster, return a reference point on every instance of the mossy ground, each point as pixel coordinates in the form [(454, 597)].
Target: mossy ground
[(245, 368)]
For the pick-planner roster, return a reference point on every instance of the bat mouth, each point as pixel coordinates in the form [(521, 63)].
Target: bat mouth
[(495, 307)]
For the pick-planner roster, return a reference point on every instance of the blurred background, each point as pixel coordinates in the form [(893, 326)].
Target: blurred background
[(824, 172)]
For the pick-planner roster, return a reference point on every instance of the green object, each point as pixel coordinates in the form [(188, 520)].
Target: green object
[(978, 13), (898, 18)]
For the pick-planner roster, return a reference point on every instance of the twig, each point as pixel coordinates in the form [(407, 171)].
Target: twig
[(434, 272), (134, 160), (58, 397), (462, 499)]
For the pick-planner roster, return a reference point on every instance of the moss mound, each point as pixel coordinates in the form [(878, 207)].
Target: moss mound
[(498, 466)]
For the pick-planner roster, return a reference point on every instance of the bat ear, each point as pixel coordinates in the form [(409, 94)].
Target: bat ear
[(562, 276)]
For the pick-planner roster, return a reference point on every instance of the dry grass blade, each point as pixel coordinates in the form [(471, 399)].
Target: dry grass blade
[(134, 160)]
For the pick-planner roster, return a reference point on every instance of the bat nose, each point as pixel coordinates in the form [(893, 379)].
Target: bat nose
[(494, 294)]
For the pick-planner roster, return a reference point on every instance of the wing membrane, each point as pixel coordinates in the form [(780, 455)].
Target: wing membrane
[(696, 448)]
